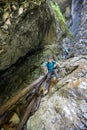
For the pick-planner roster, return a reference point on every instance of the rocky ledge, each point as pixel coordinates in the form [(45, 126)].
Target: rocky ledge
[(66, 108)]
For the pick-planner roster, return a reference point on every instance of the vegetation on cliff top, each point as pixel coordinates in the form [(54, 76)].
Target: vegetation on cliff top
[(61, 19)]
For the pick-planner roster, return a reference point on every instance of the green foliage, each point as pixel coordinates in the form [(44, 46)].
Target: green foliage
[(61, 19)]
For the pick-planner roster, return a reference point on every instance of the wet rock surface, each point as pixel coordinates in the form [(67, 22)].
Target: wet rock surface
[(76, 8), (81, 39), (66, 108)]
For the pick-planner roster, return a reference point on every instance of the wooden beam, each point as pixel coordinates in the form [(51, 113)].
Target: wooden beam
[(19, 95), (27, 114)]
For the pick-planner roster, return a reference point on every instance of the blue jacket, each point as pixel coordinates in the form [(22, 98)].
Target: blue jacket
[(50, 66)]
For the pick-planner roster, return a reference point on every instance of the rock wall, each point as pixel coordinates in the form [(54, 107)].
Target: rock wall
[(22, 28), (63, 4), (80, 47), (76, 8), (66, 107), (34, 30)]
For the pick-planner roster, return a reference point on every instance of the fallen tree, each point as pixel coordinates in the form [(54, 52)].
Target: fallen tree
[(27, 113), (4, 108)]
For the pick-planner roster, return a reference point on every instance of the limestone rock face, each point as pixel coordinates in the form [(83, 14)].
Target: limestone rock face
[(31, 30), (81, 39), (66, 108), (22, 30)]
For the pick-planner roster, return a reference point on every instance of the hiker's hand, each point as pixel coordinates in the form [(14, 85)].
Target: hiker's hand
[(45, 73), (60, 69), (55, 65), (45, 70)]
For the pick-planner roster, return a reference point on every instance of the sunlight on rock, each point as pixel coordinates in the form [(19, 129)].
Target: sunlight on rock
[(14, 119), (20, 10)]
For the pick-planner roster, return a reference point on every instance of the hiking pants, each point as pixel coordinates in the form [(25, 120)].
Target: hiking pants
[(49, 77), (65, 54)]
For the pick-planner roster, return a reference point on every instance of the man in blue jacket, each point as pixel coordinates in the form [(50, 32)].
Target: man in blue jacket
[(49, 69)]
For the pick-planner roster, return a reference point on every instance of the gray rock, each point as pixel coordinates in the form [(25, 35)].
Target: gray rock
[(76, 15), (66, 108), (23, 33), (63, 4), (81, 39)]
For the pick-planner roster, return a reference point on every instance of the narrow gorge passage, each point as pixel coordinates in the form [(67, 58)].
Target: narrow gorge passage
[(28, 27)]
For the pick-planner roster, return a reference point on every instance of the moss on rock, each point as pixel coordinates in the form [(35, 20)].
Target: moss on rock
[(60, 18)]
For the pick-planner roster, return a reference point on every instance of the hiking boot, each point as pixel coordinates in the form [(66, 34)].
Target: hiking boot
[(45, 92), (57, 80)]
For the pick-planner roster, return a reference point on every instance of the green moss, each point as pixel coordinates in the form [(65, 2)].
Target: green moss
[(61, 19)]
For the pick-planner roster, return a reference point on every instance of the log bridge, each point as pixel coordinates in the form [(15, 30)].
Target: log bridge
[(18, 96)]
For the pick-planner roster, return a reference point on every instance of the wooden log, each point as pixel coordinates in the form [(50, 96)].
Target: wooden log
[(35, 91), (38, 101), (19, 95), (27, 114)]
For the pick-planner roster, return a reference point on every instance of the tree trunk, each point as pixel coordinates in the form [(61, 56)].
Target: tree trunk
[(27, 113), (19, 95)]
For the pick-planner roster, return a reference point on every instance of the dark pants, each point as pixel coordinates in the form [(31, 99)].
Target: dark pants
[(49, 77), (65, 54)]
